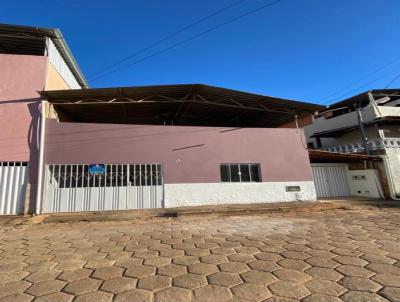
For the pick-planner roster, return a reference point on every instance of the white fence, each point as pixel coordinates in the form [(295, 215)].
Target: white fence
[(73, 188), (13, 181), (373, 144)]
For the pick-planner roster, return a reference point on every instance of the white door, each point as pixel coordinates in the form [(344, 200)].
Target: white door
[(331, 180), (13, 182), (75, 188)]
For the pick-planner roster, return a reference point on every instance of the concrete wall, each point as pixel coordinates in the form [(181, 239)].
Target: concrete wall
[(20, 79), (191, 157), (321, 124), (54, 81), (364, 183), (279, 151)]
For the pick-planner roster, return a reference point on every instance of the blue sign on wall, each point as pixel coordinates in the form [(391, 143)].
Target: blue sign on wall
[(97, 169)]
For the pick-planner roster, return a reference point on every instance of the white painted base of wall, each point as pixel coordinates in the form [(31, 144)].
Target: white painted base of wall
[(364, 187), (196, 194)]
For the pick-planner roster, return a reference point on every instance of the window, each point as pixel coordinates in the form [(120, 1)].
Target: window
[(240, 173), (115, 175)]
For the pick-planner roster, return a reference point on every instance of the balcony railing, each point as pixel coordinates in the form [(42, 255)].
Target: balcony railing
[(375, 144)]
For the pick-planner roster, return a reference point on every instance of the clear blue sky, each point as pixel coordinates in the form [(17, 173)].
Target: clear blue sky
[(297, 49)]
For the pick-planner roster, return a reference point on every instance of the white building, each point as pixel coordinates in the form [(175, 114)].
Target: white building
[(338, 128)]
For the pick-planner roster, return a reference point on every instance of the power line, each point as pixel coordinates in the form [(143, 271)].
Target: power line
[(360, 87), (362, 78), (392, 81), (192, 38), (183, 29)]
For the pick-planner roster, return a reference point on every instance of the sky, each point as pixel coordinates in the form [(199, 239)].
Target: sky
[(318, 51)]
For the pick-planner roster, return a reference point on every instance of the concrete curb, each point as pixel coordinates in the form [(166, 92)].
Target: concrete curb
[(212, 211)]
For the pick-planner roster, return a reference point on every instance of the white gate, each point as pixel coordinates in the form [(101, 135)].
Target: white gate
[(72, 188), (13, 181), (331, 180)]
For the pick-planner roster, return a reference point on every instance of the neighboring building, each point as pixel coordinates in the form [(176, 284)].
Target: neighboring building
[(337, 128), (171, 145), (31, 59)]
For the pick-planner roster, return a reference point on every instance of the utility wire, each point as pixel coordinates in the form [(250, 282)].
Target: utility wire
[(360, 87), (192, 37), (362, 78), (183, 29), (392, 81)]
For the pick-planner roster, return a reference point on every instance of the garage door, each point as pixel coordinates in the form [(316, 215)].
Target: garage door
[(74, 188), (330, 180), (13, 182)]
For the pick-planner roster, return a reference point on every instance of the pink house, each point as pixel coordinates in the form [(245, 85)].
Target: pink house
[(31, 59), (70, 149)]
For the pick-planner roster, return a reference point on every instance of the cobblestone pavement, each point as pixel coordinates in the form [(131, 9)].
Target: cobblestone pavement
[(330, 256)]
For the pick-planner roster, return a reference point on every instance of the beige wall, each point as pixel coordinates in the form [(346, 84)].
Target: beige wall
[(53, 80)]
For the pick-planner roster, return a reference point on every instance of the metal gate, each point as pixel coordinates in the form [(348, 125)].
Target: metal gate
[(331, 180), (73, 188), (13, 181)]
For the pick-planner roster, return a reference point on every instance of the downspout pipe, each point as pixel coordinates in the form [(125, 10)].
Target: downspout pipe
[(38, 209)]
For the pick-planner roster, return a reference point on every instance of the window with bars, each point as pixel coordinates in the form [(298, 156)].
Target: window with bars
[(115, 175), (240, 172)]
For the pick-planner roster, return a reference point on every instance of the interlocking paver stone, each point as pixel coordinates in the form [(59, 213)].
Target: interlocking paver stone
[(322, 262), (383, 268), (42, 276), (97, 296), (355, 271), (239, 257), (8, 277), (154, 282), (233, 267), (202, 268), (251, 292), (17, 298), (324, 273), (360, 284), (82, 286), (172, 294), (295, 255), (387, 279), (45, 287), (55, 297), (140, 271), (325, 287), (288, 290), (294, 264), (355, 296), (263, 265), (172, 270), (136, 295), (258, 277), (107, 273), (224, 279), (211, 293), (318, 256), (291, 275), (350, 260), (320, 298), (391, 293), (77, 274), (213, 259), (189, 281), (118, 285)]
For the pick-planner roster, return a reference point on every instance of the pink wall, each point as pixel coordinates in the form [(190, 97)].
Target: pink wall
[(20, 79), (279, 151)]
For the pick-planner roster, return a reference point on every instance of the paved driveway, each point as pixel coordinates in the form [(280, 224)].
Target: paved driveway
[(327, 256)]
